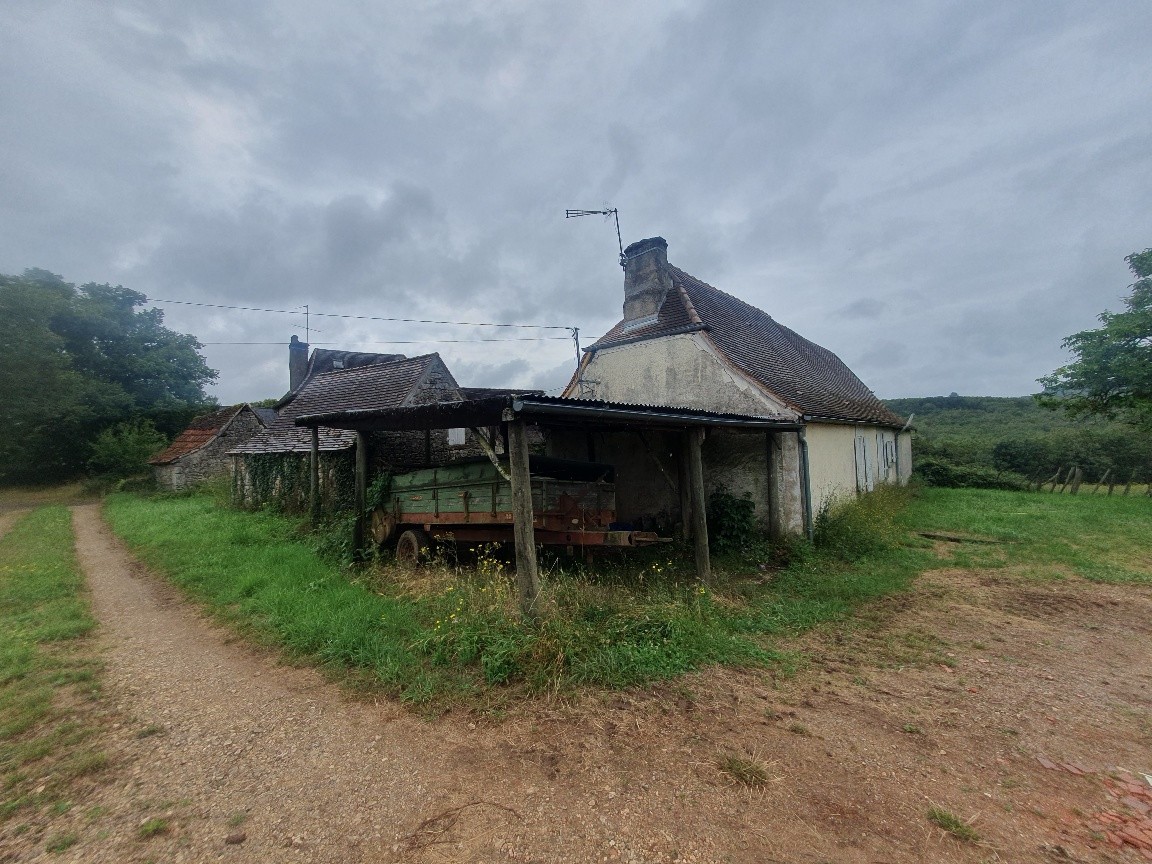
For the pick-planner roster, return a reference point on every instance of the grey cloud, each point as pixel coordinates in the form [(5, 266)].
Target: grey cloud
[(863, 309), (961, 181)]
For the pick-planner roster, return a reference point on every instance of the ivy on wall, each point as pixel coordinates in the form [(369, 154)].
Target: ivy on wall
[(282, 482)]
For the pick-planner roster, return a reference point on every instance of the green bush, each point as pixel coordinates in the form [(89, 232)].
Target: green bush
[(123, 450), (732, 525), (934, 471)]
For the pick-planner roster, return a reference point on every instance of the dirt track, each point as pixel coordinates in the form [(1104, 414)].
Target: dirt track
[(946, 698)]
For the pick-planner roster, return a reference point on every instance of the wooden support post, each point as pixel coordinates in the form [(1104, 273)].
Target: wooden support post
[(1077, 479), (776, 527), (692, 441), (358, 531), (685, 494), (527, 578), (1128, 485), (314, 477)]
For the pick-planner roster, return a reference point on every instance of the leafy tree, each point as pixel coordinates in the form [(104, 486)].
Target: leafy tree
[(1111, 376), (77, 361)]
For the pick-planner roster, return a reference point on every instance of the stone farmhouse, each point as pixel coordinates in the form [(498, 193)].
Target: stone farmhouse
[(273, 466), (682, 342)]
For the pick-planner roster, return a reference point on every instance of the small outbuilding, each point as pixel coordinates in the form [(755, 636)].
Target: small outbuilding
[(200, 452)]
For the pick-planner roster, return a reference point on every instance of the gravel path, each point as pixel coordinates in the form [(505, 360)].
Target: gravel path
[(244, 746)]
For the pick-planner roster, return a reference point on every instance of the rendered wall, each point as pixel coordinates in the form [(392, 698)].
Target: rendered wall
[(682, 371), (904, 457), (831, 462), (833, 456)]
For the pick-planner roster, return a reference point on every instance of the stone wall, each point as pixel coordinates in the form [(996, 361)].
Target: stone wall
[(211, 460), (282, 481)]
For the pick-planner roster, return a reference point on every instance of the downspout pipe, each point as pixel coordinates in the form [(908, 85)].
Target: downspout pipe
[(806, 481)]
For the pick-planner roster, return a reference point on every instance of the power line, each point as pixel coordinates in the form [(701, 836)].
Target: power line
[(413, 341), (359, 317)]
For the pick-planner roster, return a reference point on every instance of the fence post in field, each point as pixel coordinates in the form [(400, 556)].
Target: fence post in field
[(1068, 478), (1128, 485), (1111, 484), (1100, 482), (1077, 477), (1055, 478)]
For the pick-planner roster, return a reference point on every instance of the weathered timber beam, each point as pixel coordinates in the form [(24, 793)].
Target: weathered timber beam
[(358, 532), (314, 477), (527, 577), (692, 441)]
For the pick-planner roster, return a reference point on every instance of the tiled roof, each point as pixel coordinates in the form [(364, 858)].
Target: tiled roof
[(200, 431), (266, 415), (325, 360), (803, 375), (383, 385)]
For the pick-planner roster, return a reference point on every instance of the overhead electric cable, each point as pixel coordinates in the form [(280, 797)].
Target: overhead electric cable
[(412, 341), (358, 317)]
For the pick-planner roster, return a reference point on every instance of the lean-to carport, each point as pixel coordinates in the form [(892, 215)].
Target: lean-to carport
[(513, 414)]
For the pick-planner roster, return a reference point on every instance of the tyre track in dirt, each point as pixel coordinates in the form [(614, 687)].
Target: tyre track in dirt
[(857, 747), (313, 774)]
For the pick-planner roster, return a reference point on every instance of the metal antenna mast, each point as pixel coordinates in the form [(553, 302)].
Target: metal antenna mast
[(609, 211)]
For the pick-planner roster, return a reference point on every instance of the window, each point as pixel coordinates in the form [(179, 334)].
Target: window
[(457, 437)]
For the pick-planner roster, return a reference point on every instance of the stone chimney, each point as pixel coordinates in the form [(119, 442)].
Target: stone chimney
[(297, 363), (646, 279)]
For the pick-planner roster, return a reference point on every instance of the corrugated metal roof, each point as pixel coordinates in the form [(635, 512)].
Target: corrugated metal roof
[(802, 374), (547, 410)]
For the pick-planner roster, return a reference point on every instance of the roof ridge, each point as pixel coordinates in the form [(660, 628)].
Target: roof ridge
[(370, 367)]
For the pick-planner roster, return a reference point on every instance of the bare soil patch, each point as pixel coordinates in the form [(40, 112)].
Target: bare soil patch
[(944, 697)]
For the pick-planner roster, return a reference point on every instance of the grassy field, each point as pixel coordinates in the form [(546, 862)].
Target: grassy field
[(49, 674), (1106, 539), (449, 633)]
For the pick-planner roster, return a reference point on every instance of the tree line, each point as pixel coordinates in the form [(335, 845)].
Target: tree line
[(89, 378), (1094, 413)]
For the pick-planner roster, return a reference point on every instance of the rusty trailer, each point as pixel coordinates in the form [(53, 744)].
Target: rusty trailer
[(573, 505)]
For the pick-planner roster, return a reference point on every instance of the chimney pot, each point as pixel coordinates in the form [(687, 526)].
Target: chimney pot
[(646, 279)]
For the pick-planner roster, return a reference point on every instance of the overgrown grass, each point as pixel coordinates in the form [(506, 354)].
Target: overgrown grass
[(49, 675), (1107, 539), (452, 633)]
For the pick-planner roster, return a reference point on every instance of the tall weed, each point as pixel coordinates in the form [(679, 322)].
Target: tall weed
[(851, 528)]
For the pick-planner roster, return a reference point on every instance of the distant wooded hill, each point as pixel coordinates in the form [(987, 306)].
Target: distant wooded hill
[(1006, 438)]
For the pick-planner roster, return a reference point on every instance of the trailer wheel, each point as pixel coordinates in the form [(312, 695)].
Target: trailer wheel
[(413, 548), (383, 526)]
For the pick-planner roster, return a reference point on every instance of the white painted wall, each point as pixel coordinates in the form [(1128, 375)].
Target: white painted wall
[(683, 371), (835, 466), (831, 462)]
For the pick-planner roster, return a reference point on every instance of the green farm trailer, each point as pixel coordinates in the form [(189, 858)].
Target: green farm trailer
[(573, 504)]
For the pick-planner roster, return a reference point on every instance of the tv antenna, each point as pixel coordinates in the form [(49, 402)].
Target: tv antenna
[(608, 211)]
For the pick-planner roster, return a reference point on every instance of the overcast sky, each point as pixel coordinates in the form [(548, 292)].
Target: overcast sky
[(938, 192)]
